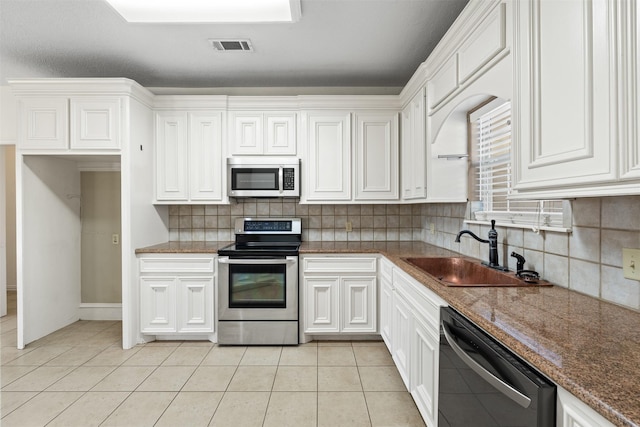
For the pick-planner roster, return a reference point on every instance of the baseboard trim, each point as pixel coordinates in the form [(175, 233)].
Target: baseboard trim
[(100, 311)]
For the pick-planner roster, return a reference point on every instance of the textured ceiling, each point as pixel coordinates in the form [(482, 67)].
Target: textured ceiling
[(370, 43)]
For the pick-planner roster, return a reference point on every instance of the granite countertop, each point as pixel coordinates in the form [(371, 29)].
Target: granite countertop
[(588, 346), (183, 248)]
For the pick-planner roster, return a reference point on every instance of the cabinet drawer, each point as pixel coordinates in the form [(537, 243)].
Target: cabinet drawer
[(177, 265), (339, 265)]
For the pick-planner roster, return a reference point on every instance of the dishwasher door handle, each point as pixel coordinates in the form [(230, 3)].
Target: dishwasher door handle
[(503, 387)]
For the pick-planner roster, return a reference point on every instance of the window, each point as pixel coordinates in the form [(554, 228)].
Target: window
[(491, 147)]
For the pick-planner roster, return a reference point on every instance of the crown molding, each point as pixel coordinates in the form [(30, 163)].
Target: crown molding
[(190, 102), (81, 86)]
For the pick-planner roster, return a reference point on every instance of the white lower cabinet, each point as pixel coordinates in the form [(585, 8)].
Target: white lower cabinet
[(386, 300), (425, 347), (177, 295), (413, 337), (572, 412), (339, 294), (401, 320)]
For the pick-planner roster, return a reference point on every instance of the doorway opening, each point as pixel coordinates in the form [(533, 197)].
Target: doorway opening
[(101, 251)]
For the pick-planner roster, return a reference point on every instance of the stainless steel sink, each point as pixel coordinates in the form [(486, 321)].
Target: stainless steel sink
[(452, 271)]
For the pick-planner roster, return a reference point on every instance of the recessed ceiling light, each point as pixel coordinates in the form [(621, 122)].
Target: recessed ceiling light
[(208, 10)]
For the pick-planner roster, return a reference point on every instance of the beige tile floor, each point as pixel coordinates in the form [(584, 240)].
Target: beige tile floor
[(80, 376)]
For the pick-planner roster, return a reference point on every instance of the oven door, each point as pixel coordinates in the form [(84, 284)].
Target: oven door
[(258, 288)]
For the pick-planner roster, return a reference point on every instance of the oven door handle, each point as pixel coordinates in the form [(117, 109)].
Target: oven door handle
[(271, 261), (503, 387), (281, 179)]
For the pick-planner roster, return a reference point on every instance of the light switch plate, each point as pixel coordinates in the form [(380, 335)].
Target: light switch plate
[(631, 263)]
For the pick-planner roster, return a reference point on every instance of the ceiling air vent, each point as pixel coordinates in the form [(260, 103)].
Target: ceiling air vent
[(232, 45)]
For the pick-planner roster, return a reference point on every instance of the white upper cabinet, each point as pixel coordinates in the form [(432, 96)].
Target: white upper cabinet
[(413, 161), (376, 158), (189, 163), (44, 123), (459, 63), (327, 165), (252, 133), (171, 156), (95, 123), (565, 97), (444, 82), (61, 123), (629, 67), (205, 156), (486, 42), (345, 148)]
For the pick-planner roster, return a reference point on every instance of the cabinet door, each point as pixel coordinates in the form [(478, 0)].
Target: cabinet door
[(562, 125), (95, 123), (572, 412), (205, 156), (328, 139), (196, 304), (358, 304), (413, 157), (245, 133), (486, 41), (424, 369), (280, 137), (386, 311), (322, 304), (444, 82), (630, 94), (44, 123), (376, 174), (171, 156), (401, 326), (158, 304)]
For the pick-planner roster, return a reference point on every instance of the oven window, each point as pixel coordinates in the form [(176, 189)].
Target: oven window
[(257, 286), (254, 178)]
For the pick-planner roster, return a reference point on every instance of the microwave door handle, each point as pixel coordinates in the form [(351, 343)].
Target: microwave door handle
[(281, 179), (503, 387)]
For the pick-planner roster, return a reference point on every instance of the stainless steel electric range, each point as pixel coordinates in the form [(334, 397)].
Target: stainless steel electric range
[(258, 283)]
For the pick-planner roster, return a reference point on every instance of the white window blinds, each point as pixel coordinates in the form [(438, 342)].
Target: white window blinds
[(491, 134)]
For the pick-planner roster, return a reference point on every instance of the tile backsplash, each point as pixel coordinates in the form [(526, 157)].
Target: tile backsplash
[(588, 260), (319, 222)]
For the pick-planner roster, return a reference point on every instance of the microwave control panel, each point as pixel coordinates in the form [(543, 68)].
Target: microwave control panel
[(289, 179)]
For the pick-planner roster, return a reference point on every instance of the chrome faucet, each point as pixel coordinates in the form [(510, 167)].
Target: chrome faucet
[(493, 245)]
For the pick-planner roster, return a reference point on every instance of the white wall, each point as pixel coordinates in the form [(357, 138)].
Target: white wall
[(3, 240), (8, 117), (8, 137), (48, 246), (101, 258)]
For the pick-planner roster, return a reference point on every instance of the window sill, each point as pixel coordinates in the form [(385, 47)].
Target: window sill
[(523, 226)]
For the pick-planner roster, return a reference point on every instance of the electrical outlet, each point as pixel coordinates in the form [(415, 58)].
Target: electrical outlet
[(432, 228), (631, 263), (348, 226), (115, 239)]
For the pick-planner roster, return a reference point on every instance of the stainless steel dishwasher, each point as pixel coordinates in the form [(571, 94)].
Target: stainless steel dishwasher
[(481, 383)]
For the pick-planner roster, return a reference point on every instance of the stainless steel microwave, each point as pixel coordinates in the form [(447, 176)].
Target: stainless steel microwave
[(263, 176)]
